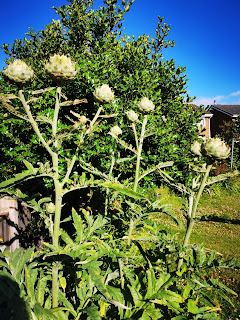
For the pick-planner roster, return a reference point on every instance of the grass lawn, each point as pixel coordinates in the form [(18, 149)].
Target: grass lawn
[(218, 227)]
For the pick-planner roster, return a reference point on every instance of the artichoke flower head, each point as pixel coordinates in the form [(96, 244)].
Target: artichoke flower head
[(50, 207), (132, 116), (18, 71), (196, 148), (82, 119), (145, 105), (115, 131), (217, 148), (103, 94), (60, 68)]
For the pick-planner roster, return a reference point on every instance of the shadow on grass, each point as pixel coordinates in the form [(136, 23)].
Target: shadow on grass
[(220, 219), (12, 306)]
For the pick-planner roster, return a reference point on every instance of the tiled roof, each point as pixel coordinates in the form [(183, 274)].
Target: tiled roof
[(201, 108), (229, 109)]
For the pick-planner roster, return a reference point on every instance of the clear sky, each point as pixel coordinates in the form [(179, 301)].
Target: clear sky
[(206, 32)]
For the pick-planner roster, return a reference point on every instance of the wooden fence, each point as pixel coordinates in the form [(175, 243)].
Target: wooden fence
[(13, 220)]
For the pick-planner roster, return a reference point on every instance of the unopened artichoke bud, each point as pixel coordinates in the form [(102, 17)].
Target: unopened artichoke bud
[(82, 119), (145, 105), (115, 131), (61, 68), (19, 71), (217, 148), (132, 116), (196, 148), (50, 207), (103, 93), (164, 119)]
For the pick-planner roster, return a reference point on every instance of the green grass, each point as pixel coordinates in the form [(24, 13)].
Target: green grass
[(218, 227)]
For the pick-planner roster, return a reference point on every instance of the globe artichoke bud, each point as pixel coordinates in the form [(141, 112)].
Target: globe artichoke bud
[(115, 131), (132, 116), (145, 105), (50, 207), (103, 93), (82, 119), (19, 71), (196, 148), (60, 68), (217, 148), (164, 119)]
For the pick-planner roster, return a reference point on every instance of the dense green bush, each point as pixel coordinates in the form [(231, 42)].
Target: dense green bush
[(132, 67)]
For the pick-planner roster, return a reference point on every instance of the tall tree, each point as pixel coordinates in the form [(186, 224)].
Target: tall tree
[(133, 67)]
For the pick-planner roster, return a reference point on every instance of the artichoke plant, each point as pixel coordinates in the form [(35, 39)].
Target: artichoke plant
[(217, 148), (196, 148), (132, 116), (115, 131), (50, 207), (61, 68), (103, 93), (145, 105), (19, 71), (82, 119)]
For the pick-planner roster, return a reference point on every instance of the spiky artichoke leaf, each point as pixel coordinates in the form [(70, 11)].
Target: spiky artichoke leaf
[(222, 177), (72, 103), (43, 90), (124, 144), (158, 166), (6, 101), (179, 186), (123, 190)]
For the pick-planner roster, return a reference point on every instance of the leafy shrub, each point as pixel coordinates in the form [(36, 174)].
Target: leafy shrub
[(103, 54)]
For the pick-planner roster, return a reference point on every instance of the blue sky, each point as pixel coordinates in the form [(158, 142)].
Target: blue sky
[(206, 32)]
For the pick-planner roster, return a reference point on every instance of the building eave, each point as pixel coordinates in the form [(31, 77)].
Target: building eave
[(232, 115), (207, 115)]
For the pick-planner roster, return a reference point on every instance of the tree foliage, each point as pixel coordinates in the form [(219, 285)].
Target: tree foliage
[(134, 68)]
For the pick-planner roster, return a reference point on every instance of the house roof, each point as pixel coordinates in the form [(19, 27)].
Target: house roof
[(205, 112), (229, 109)]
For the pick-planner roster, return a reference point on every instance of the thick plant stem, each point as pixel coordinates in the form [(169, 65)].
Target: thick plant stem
[(55, 117), (193, 204), (55, 285), (57, 218), (135, 134), (57, 184), (110, 173), (190, 205), (139, 152), (200, 191), (58, 199), (58, 189), (56, 232)]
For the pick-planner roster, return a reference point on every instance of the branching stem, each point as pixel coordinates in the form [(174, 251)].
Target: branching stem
[(109, 175), (135, 134), (193, 204), (139, 151), (74, 158), (33, 122)]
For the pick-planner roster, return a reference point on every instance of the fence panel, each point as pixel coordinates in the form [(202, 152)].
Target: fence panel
[(12, 222)]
